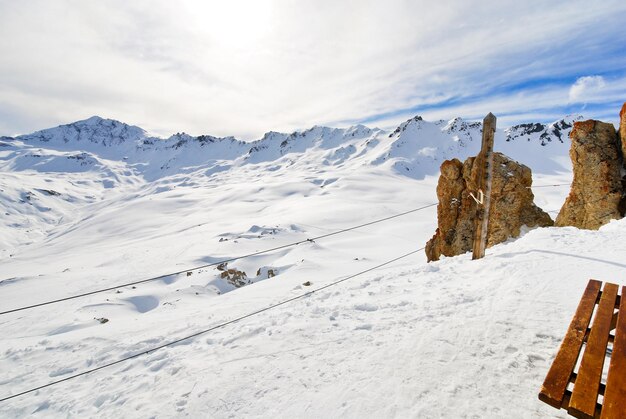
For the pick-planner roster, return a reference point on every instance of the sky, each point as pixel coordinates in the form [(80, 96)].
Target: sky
[(245, 67)]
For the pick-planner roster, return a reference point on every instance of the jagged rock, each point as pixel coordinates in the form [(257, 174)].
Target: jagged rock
[(267, 272), (512, 205), (235, 277), (50, 192), (622, 133), (597, 192)]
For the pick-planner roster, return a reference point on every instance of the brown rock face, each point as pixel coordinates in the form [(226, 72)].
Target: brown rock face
[(596, 194), (235, 277), (512, 205), (622, 133)]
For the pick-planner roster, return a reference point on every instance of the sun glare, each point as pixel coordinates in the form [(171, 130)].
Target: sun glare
[(232, 23)]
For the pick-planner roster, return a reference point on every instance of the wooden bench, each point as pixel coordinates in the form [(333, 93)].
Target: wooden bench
[(581, 390)]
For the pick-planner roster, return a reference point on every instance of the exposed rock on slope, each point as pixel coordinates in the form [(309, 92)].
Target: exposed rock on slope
[(597, 192), (557, 130), (512, 205)]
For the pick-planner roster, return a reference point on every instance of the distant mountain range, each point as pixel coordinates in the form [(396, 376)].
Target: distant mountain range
[(55, 177), (415, 148)]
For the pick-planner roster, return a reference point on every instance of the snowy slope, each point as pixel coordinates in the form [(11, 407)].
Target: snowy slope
[(98, 203), (450, 339), (54, 173)]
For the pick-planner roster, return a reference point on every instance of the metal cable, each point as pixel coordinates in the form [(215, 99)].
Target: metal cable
[(98, 291), (201, 332)]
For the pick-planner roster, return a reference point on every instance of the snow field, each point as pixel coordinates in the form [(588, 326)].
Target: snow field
[(455, 338), (427, 340)]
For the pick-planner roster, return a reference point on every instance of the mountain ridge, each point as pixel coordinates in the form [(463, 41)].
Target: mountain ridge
[(94, 160), (95, 125), (417, 145), (416, 148)]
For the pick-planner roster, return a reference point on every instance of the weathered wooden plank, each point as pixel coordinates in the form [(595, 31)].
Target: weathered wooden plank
[(572, 379), (568, 396), (611, 337), (585, 393), (555, 384), (484, 160), (614, 405), (614, 321)]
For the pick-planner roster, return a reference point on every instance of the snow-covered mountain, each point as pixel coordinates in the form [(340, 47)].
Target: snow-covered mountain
[(65, 168), (416, 146), (98, 203)]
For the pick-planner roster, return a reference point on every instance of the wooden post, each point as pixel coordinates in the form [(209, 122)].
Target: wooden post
[(484, 160)]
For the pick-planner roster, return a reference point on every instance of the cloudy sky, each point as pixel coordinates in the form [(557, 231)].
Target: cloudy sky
[(238, 67)]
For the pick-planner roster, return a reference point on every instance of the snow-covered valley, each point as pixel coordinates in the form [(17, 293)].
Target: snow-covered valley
[(98, 203)]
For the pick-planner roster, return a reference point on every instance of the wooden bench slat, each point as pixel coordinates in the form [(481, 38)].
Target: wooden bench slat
[(614, 405), (614, 321), (585, 394), (555, 384)]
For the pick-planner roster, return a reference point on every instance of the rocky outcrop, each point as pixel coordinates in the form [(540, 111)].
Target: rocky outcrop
[(235, 277), (622, 133), (597, 193), (512, 205), (266, 272)]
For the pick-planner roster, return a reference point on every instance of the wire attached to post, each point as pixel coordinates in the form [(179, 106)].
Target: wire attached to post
[(481, 197)]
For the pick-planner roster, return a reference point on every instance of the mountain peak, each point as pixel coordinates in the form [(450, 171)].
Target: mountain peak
[(416, 120), (95, 129), (94, 120)]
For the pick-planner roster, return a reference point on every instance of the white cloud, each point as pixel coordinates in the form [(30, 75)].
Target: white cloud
[(243, 67), (586, 87)]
